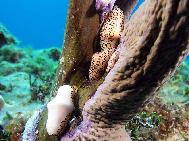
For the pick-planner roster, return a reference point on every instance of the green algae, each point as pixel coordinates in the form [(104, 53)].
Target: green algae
[(166, 113), (175, 90), (23, 71), (6, 38), (21, 78)]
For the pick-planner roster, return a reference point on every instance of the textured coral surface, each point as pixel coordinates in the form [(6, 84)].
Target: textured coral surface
[(141, 69)]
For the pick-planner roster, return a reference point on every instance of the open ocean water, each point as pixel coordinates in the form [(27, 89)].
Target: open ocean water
[(39, 23)]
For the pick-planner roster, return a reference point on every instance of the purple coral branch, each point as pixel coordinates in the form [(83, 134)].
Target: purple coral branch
[(104, 7), (83, 128), (30, 131)]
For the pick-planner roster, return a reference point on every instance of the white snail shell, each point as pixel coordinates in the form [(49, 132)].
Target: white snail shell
[(60, 110)]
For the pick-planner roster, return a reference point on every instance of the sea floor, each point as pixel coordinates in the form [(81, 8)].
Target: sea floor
[(166, 116), (26, 77)]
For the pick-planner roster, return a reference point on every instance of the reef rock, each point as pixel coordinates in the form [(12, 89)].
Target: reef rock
[(2, 102), (5, 37)]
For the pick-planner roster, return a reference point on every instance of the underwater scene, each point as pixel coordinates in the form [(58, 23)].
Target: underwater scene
[(94, 70)]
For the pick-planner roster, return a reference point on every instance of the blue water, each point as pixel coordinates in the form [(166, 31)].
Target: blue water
[(139, 2), (40, 23), (187, 58)]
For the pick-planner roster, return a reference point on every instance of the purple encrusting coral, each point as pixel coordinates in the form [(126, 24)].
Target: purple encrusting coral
[(30, 133), (104, 6), (84, 127)]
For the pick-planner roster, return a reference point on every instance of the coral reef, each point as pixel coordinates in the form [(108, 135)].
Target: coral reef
[(154, 42), (2, 103), (176, 90), (148, 55), (166, 116), (5, 37), (16, 127), (26, 78), (13, 55), (54, 54)]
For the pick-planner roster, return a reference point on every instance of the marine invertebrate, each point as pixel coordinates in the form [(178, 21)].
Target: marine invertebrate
[(16, 126), (113, 59), (60, 110), (142, 60), (104, 4), (109, 40)]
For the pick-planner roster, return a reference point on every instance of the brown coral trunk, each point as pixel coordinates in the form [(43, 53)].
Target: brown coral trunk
[(153, 46)]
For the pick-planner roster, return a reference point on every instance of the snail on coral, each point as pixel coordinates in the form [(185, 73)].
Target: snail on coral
[(60, 110), (109, 39)]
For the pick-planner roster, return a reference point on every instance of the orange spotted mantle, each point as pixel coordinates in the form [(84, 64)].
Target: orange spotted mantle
[(109, 39)]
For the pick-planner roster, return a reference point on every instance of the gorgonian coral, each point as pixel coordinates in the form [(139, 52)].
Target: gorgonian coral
[(30, 131)]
